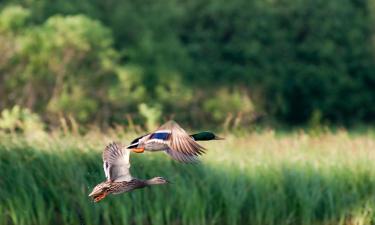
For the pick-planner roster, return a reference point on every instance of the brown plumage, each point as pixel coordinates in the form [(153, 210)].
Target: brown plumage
[(116, 168), (181, 141)]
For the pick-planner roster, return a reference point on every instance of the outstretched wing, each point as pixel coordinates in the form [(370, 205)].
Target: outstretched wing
[(181, 157), (181, 146), (116, 163)]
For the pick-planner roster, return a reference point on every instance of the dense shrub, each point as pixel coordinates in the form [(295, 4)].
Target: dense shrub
[(291, 58)]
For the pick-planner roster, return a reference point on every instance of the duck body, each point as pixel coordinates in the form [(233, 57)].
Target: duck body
[(172, 139), (119, 180), (157, 141), (108, 187)]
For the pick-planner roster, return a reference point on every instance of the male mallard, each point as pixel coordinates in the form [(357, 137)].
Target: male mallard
[(116, 168), (174, 140)]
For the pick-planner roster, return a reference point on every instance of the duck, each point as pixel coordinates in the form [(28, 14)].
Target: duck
[(175, 141), (116, 166)]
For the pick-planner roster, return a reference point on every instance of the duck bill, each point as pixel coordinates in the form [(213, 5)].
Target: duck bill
[(138, 150), (96, 197), (219, 138)]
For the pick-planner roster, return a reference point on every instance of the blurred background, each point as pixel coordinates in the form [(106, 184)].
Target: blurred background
[(290, 84), (203, 63)]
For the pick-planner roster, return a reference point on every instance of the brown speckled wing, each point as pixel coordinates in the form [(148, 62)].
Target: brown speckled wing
[(121, 187), (116, 163)]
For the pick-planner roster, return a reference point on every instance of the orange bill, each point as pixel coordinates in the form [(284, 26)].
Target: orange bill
[(100, 197), (138, 150)]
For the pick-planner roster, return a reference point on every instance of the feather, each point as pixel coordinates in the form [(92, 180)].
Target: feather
[(181, 146), (116, 163)]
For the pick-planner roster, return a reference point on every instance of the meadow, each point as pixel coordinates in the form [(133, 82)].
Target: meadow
[(257, 178)]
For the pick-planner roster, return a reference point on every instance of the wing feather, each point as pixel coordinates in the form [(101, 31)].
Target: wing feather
[(116, 163), (181, 157), (181, 146)]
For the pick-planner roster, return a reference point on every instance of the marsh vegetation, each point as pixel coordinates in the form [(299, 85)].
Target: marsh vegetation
[(258, 178)]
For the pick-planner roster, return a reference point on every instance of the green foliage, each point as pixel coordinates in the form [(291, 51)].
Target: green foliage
[(225, 103), (256, 179), (65, 65), (151, 114), (293, 57), (20, 119), (13, 18), (76, 60)]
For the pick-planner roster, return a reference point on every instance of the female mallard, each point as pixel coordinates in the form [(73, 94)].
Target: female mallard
[(172, 139), (116, 168)]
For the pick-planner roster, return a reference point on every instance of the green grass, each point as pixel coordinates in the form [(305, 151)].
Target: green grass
[(255, 179)]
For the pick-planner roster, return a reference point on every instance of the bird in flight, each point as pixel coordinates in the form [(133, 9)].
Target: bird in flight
[(174, 140), (119, 180)]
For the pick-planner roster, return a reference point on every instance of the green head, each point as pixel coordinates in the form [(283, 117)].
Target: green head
[(205, 136)]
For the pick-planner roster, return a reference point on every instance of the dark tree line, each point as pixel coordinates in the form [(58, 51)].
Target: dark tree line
[(198, 61)]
